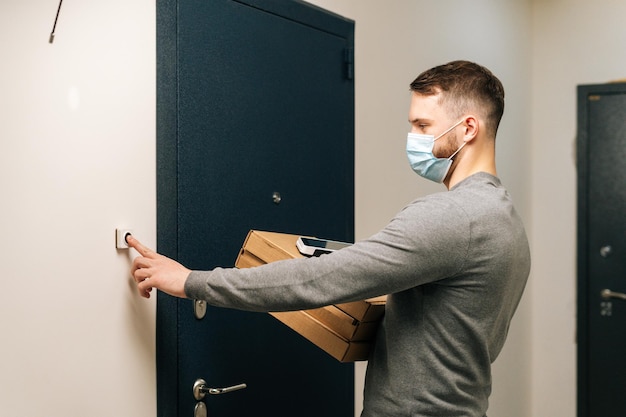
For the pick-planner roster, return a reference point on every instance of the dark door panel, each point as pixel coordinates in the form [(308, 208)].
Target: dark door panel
[(602, 251), (263, 106)]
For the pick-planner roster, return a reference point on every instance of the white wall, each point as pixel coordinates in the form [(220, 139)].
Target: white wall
[(575, 42), (77, 129), (77, 160)]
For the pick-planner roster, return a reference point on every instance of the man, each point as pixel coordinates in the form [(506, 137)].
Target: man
[(454, 263)]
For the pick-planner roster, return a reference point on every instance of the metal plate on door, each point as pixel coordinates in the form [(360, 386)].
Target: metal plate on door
[(199, 309), (200, 410)]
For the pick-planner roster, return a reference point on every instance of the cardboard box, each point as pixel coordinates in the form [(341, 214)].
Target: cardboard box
[(345, 331), (247, 260), (324, 337), (370, 310), (344, 324), (270, 246)]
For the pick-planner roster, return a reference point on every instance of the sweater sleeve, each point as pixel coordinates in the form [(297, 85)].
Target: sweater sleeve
[(413, 249)]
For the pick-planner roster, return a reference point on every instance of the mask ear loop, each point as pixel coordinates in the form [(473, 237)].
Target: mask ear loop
[(457, 151), (449, 130)]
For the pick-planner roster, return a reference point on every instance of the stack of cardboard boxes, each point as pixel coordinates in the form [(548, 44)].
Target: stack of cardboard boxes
[(345, 331)]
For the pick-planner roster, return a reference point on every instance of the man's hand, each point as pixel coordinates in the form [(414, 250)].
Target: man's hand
[(151, 270)]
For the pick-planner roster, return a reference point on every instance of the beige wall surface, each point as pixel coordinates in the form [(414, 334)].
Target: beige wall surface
[(574, 42), (77, 128), (78, 160)]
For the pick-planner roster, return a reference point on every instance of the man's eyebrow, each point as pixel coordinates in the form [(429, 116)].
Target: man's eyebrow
[(419, 119)]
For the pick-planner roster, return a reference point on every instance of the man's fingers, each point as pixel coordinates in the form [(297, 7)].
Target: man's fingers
[(139, 247), (143, 262), (140, 270), (144, 288), (151, 270), (140, 275)]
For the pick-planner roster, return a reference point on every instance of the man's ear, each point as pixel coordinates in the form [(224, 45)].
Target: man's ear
[(471, 125)]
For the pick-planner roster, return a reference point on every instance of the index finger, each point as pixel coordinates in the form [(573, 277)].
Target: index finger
[(138, 246)]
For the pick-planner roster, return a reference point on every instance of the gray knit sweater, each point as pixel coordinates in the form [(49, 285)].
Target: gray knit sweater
[(454, 265)]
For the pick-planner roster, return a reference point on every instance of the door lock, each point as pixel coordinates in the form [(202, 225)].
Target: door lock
[(200, 389), (606, 294)]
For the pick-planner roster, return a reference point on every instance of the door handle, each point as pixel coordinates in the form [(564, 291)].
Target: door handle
[(200, 389), (606, 294)]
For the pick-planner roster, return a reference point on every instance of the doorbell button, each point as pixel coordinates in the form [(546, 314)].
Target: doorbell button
[(120, 238)]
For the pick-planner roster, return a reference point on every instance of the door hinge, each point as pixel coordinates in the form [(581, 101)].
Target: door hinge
[(348, 59)]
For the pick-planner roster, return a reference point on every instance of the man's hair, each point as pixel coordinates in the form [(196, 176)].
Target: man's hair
[(465, 86)]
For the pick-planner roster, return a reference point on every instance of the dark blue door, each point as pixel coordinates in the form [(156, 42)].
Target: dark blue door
[(255, 101), (602, 250)]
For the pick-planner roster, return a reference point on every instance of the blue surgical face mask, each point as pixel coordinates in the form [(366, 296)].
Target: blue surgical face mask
[(419, 149)]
